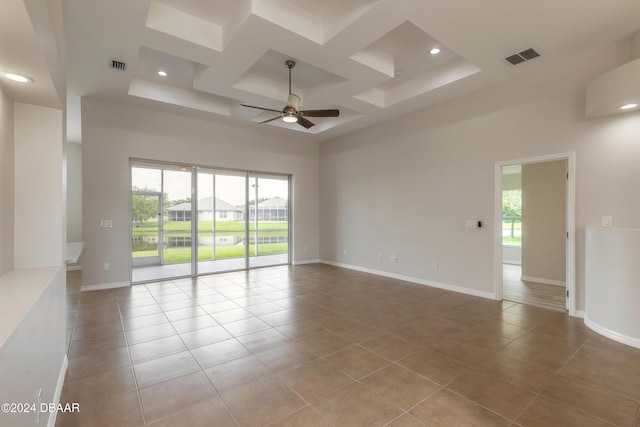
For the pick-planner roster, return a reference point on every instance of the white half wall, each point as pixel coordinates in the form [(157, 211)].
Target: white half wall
[(112, 134), (405, 187), (39, 201)]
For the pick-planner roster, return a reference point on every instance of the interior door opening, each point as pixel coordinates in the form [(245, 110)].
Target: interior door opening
[(534, 232)]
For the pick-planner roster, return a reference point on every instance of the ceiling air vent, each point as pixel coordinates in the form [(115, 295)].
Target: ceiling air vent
[(523, 56), (118, 65)]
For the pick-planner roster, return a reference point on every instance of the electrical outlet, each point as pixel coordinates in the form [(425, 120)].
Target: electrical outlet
[(607, 221), (107, 267), (393, 258)]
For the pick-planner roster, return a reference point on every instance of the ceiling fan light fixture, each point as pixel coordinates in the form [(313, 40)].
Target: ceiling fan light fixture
[(289, 116)]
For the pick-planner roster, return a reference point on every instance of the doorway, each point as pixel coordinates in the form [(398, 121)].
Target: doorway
[(189, 220), (534, 241)]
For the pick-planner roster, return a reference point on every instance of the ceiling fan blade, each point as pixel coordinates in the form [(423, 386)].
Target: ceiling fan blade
[(261, 108), (304, 122), (320, 113), (270, 120)]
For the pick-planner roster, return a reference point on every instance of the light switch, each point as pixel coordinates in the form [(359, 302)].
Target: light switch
[(607, 221), (106, 223)]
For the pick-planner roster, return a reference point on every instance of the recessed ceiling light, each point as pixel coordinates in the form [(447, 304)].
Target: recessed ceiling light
[(435, 51), (628, 106), (162, 73), (20, 78)]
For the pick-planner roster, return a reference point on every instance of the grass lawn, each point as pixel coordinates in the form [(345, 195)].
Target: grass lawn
[(516, 240), (230, 228), (180, 255)]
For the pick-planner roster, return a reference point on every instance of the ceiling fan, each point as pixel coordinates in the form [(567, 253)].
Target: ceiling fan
[(290, 113)]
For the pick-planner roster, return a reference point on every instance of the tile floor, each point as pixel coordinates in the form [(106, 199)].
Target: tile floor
[(316, 345)]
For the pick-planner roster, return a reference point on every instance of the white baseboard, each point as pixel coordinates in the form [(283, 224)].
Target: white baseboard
[(616, 336), (543, 281), (306, 261), (58, 391), (74, 267), (102, 286), (511, 261), (445, 286), (579, 313)]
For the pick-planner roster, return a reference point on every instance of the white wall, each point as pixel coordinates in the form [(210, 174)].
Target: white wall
[(544, 228), (39, 202), (74, 192), (112, 133), (436, 167), (6, 183)]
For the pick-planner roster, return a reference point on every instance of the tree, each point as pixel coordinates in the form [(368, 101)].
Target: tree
[(512, 206), (143, 207)]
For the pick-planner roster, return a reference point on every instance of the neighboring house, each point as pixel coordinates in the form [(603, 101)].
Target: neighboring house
[(224, 211), (274, 209)]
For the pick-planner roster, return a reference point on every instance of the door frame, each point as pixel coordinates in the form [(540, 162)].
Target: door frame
[(570, 263)]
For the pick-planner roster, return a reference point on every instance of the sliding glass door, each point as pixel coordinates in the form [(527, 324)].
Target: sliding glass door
[(222, 243), (189, 220), (269, 220)]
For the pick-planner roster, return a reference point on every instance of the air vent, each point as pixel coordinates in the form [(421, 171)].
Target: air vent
[(118, 65), (523, 56)]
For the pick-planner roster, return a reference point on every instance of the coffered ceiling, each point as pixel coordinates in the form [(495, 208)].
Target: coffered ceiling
[(368, 58)]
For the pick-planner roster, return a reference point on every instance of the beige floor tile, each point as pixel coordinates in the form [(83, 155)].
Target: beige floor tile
[(448, 409), (237, 373), (287, 355), (263, 340), (150, 333), (178, 394), (594, 401), (157, 348), (390, 347), (315, 379), (219, 352), (211, 413), (356, 405), (96, 345), (433, 366), (400, 386), (406, 420), (307, 417), (326, 343), (205, 336), (193, 323), (356, 361), (97, 363), (529, 375), (492, 393), (262, 402), (405, 342), (612, 370), (163, 368), (94, 388), (544, 412), (122, 410)]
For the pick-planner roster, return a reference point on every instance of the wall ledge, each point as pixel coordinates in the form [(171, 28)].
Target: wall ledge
[(19, 291), (102, 286)]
